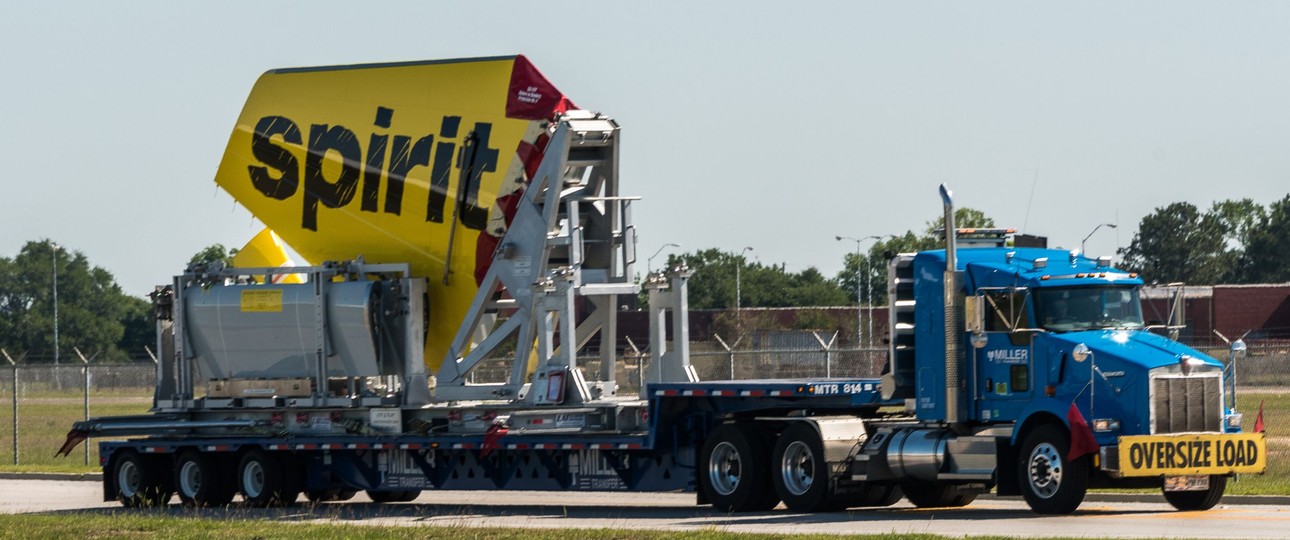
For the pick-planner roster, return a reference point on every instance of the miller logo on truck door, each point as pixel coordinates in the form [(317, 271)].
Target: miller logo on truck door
[(391, 162)]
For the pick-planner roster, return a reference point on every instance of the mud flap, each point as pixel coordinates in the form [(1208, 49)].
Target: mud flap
[(1005, 470)]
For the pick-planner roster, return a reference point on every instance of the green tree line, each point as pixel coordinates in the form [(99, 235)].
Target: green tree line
[(94, 315), (1235, 241)]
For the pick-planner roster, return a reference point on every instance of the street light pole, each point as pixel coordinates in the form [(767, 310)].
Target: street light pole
[(649, 263), (739, 265), (54, 250), (862, 290), (1090, 235)]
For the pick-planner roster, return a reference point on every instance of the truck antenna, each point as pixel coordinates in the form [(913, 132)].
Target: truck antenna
[(1030, 202)]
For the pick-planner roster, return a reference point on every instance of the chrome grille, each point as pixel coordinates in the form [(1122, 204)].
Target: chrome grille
[(1186, 403)]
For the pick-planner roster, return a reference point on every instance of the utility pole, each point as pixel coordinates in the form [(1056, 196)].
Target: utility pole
[(862, 290), (739, 264), (54, 249)]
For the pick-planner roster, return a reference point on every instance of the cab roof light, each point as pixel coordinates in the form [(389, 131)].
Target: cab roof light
[(1041, 262)]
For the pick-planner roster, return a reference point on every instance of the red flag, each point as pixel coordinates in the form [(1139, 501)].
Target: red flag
[(491, 437), (1082, 441), (1258, 422)]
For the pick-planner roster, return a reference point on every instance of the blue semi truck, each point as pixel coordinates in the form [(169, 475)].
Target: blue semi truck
[(1025, 371)]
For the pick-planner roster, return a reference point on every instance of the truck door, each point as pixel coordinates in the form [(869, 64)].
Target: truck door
[(1004, 366)]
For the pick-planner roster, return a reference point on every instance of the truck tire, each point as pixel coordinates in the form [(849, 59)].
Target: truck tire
[(261, 480), (139, 482), (800, 474), (1050, 482), (199, 481), (394, 496), (734, 470), (935, 495), (1198, 500)]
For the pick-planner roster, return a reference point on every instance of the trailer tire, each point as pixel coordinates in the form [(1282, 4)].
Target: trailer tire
[(936, 495), (1050, 482), (800, 474), (1196, 501), (394, 496), (139, 482), (199, 480), (261, 480), (734, 470)]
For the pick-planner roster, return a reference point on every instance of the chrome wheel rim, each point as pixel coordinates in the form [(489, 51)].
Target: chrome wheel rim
[(128, 479), (253, 479), (1045, 470), (797, 468), (725, 468), (190, 479)]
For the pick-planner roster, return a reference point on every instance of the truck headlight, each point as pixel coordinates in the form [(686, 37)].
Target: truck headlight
[(1233, 420), (1102, 425)]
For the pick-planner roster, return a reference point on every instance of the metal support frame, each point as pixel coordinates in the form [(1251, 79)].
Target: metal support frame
[(668, 295), (555, 279)]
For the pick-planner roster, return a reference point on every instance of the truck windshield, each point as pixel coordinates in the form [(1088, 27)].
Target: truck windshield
[(1087, 308)]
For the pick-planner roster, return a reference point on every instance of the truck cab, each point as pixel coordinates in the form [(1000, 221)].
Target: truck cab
[(1051, 356)]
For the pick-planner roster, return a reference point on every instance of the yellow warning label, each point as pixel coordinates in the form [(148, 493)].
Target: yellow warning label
[(1188, 454), (262, 300)]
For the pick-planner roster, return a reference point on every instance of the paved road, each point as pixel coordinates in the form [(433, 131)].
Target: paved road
[(677, 512)]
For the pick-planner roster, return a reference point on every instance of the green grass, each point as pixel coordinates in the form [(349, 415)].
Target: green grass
[(44, 419), (1276, 418)]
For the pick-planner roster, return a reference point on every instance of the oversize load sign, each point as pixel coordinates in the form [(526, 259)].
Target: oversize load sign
[(1173, 455)]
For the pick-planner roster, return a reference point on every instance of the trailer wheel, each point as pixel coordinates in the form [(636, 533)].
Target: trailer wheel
[(801, 475), (199, 482), (1051, 483), (394, 496), (139, 482), (261, 480), (1198, 500), (935, 495), (734, 470)]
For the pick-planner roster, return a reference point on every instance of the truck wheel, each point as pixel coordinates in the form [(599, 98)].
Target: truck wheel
[(1198, 500), (261, 480), (139, 482), (934, 495), (394, 496), (734, 470), (1051, 483), (199, 482), (801, 475)]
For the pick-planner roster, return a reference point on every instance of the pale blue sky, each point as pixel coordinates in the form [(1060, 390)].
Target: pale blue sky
[(772, 125)]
